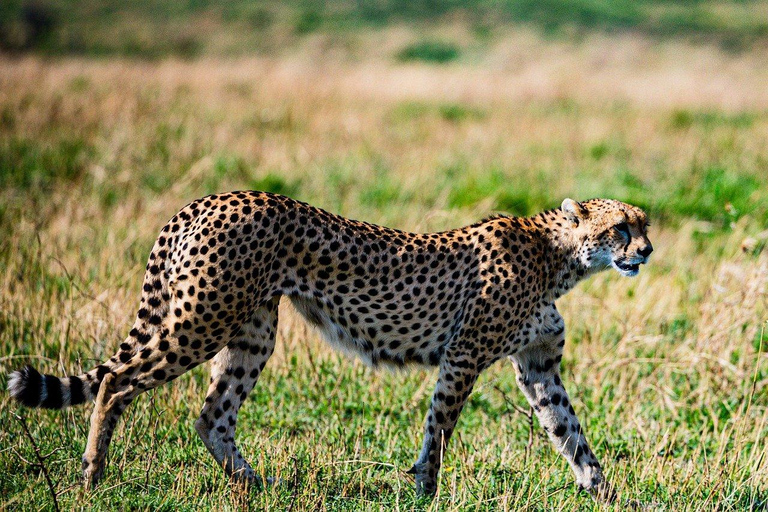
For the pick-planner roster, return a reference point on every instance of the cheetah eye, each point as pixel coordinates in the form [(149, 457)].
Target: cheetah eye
[(622, 228)]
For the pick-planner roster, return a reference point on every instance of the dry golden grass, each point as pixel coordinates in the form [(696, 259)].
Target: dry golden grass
[(667, 371)]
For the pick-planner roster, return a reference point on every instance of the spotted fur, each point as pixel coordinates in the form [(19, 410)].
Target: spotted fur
[(459, 300)]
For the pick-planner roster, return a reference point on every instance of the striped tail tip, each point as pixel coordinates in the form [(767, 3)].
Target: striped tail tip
[(25, 385), (32, 389)]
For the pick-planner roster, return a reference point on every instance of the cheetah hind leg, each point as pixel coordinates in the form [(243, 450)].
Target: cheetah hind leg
[(144, 371), (234, 372)]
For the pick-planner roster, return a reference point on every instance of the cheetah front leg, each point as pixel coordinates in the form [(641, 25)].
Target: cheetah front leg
[(538, 376), (458, 374)]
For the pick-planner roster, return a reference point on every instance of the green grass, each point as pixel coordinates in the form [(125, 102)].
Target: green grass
[(152, 29), (28, 164), (452, 112), (667, 371), (439, 52)]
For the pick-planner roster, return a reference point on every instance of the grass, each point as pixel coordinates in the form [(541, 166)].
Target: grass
[(667, 371), (438, 52), (152, 29)]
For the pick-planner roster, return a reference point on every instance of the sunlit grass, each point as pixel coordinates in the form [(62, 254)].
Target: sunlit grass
[(667, 371)]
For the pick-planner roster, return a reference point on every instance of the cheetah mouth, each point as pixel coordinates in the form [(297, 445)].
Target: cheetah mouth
[(627, 269)]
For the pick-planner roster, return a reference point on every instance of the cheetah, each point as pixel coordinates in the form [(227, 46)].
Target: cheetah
[(459, 300)]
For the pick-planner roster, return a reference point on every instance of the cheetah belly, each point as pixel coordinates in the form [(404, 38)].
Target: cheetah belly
[(389, 350)]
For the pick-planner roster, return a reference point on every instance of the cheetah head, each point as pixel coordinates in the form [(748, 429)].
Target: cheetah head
[(609, 234)]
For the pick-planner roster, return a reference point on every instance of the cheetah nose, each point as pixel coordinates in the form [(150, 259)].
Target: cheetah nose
[(646, 251)]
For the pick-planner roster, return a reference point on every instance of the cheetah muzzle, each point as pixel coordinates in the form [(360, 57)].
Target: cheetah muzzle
[(459, 300)]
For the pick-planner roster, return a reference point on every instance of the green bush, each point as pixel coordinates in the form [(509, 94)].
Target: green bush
[(439, 52), (308, 21)]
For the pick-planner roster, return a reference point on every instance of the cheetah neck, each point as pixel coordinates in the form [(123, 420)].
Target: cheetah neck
[(564, 266)]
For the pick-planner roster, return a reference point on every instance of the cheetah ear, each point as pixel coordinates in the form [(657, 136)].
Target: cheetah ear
[(574, 210)]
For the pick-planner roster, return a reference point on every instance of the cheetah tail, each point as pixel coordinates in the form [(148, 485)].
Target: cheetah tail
[(32, 389)]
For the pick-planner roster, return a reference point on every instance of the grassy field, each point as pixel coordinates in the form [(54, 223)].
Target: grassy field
[(668, 371), (152, 29)]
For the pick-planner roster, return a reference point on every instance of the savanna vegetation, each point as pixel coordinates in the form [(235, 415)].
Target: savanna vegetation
[(369, 110)]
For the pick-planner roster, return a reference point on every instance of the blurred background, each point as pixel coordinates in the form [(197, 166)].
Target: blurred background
[(423, 115), (508, 103), (187, 29)]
